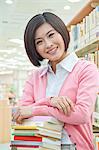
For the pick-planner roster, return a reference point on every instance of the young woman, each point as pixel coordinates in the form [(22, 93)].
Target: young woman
[(66, 88)]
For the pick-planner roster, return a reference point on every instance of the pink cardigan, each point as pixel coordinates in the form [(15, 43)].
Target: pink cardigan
[(81, 86)]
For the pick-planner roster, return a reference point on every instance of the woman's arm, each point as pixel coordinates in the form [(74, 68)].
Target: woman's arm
[(86, 97)]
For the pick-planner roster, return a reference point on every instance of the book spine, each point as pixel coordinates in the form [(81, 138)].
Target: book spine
[(28, 138)]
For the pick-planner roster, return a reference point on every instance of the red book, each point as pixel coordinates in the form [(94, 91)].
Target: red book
[(27, 146), (28, 138)]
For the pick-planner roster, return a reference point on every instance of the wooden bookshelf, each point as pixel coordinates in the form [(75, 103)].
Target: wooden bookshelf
[(82, 13), (88, 48), (93, 43)]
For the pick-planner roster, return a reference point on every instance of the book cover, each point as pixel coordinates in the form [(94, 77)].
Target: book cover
[(38, 139), (24, 147), (40, 148), (25, 127), (51, 146), (28, 143), (50, 126), (39, 119), (24, 134), (21, 148), (28, 138), (50, 133)]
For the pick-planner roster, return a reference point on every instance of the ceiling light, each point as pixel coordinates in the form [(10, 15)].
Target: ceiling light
[(18, 41), (6, 72), (9, 1), (74, 1), (67, 7), (8, 50)]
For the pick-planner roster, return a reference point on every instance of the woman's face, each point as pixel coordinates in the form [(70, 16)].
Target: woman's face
[(49, 43)]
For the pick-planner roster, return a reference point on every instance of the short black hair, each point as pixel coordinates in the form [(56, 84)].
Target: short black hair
[(33, 25)]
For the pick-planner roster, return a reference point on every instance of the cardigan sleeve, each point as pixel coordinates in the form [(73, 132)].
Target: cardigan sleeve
[(85, 99), (28, 94)]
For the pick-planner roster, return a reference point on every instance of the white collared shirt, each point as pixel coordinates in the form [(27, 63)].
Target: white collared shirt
[(55, 81)]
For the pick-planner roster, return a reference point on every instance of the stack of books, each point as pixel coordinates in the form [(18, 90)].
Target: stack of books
[(38, 132)]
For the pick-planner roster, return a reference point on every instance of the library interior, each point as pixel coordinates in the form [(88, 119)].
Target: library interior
[(47, 132)]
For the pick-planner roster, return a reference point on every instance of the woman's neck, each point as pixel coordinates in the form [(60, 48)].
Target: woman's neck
[(54, 63)]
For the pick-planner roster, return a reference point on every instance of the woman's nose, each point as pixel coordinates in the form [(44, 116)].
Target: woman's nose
[(48, 44)]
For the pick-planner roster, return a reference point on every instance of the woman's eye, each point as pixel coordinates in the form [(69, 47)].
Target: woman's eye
[(38, 42), (51, 34)]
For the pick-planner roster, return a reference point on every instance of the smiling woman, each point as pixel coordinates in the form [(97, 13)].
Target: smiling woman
[(45, 38), (66, 88)]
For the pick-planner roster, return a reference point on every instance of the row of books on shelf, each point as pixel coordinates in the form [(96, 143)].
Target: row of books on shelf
[(86, 31), (93, 57), (40, 133)]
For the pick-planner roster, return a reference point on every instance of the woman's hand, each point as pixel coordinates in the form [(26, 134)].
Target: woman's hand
[(63, 103), (21, 113)]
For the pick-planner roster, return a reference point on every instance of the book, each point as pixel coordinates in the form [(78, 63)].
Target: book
[(24, 134), (21, 148), (38, 139), (28, 143), (30, 148), (28, 138), (39, 132), (50, 133), (24, 146), (49, 125), (39, 119), (51, 146), (25, 127), (22, 131)]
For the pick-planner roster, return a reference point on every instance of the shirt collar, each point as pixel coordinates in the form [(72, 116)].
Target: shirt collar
[(67, 63)]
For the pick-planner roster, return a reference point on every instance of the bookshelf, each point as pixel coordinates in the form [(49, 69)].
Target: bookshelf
[(83, 12), (88, 48), (84, 32), (91, 40)]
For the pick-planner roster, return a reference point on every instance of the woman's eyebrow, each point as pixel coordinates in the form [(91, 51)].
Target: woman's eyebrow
[(49, 31), (45, 34)]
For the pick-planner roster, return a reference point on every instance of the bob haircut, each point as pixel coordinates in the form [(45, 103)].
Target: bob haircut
[(33, 25)]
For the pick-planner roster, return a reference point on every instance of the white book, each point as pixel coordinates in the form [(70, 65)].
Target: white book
[(49, 133), (51, 146), (51, 141), (39, 119)]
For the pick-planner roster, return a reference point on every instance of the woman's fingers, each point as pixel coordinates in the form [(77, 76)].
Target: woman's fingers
[(71, 104), (60, 107), (21, 113), (64, 104), (19, 120), (15, 115)]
